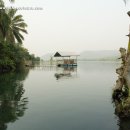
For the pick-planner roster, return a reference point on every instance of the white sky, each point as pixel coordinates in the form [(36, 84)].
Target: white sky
[(75, 25)]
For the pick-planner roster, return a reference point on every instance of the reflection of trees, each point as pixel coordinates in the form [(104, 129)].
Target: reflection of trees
[(12, 102), (124, 124)]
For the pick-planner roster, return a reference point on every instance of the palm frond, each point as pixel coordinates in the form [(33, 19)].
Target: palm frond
[(20, 29), (17, 25), (12, 12), (18, 38), (21, 25), (18, 17), (21, 36), (17, 20), (4, 22)]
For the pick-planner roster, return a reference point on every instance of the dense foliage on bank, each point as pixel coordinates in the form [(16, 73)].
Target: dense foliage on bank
[(12, 53)]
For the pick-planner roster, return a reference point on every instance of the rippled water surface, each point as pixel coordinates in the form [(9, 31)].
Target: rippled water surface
[(50, 98)]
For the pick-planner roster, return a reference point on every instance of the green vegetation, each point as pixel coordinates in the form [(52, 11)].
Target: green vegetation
[(12, 26)]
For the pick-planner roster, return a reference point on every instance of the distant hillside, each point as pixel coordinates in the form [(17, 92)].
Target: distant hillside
[(99, 55), (47, 56), (92, 55)]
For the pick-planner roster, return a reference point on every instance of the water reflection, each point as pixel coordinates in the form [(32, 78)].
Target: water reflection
[(12, 102), (124, 124), (66, 72), (63, 72)]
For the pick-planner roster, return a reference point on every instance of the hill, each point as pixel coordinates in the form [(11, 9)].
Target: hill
[(103, 55), (99, 55)]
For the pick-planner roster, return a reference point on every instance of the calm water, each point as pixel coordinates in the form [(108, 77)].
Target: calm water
[(52, 98)]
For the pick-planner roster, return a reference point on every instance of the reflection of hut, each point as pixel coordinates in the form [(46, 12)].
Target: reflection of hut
[(66, 59), (65, 72)]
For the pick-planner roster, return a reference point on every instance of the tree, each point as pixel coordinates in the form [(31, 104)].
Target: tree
[(16, 26), (11, 25), (4, 22)]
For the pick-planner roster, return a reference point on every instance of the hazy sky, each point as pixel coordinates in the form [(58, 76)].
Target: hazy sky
[(75, 25)]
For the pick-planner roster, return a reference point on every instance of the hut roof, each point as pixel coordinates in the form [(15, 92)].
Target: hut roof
[(65, 54)]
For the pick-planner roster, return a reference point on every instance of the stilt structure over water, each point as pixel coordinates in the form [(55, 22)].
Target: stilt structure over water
[(66, 59)]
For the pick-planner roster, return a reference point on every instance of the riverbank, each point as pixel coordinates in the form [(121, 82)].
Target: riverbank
[(121, 94)]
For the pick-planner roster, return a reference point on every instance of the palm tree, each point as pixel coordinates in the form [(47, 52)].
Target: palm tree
[(16, 26), (11, 25), (4, 21)]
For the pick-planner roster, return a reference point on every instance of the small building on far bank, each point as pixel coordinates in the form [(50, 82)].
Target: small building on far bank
[(66, 58)]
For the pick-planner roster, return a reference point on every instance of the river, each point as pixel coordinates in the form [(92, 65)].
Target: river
[(50, 98)]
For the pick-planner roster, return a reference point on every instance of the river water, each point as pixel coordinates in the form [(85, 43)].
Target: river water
[(50, 98)]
